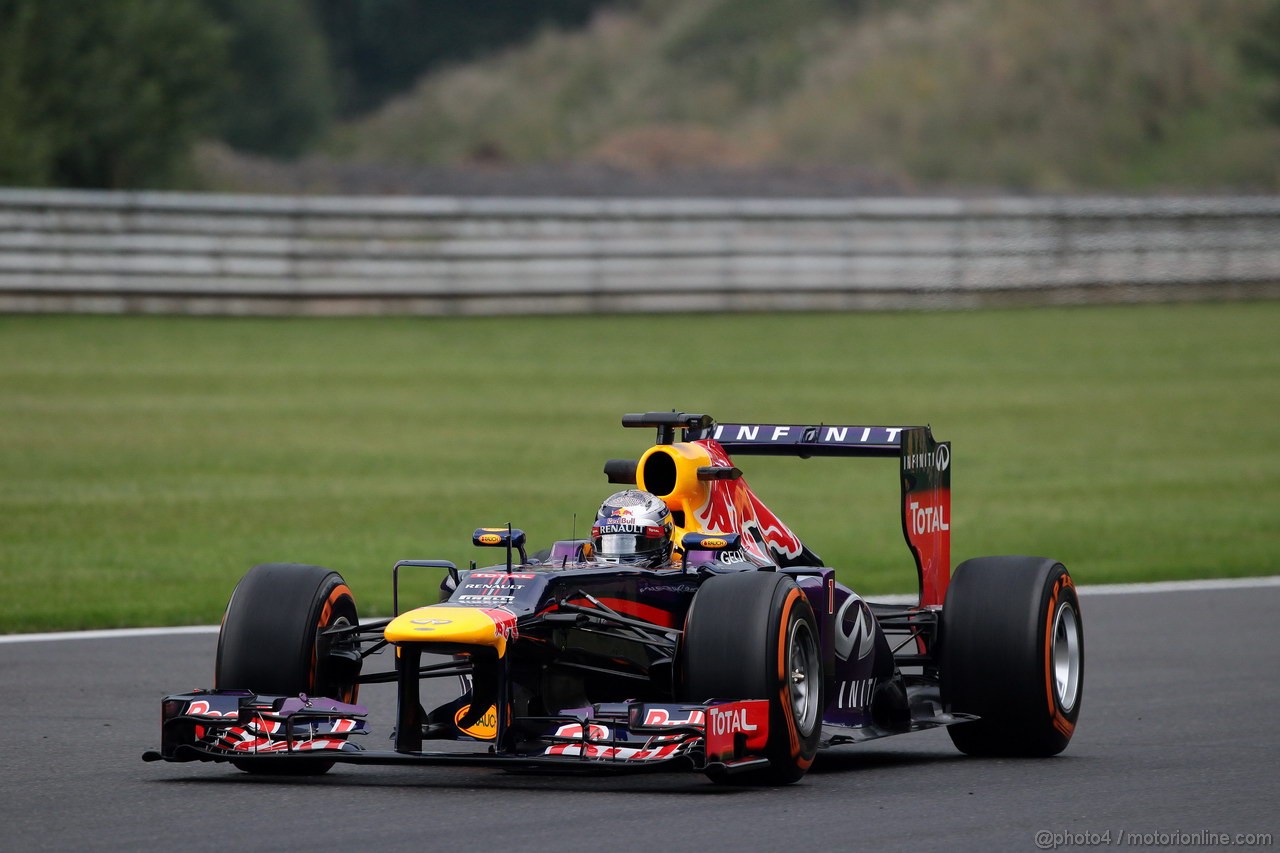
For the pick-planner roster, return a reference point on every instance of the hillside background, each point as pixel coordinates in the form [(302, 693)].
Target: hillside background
[(811, 96)]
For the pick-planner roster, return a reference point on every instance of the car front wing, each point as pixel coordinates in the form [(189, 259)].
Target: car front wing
[(239, 726)]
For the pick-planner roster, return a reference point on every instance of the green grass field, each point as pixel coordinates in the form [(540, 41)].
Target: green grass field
[(148, 462)]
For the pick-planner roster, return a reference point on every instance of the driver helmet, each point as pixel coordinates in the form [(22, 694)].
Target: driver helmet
[(633, 528)]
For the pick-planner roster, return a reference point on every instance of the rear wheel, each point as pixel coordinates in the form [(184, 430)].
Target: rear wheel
[(1012, 653), (268, 642), (753, 635)]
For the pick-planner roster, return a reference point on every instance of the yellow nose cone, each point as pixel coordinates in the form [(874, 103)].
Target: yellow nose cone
[(448, 623)]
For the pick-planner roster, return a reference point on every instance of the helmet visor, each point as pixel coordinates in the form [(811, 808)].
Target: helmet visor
[(626, 540), (628, 544)]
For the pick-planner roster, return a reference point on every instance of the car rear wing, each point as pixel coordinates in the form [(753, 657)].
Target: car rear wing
[(803, 441), (925, 470)]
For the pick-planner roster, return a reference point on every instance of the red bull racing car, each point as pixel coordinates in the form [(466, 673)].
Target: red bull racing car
[(740, 657)]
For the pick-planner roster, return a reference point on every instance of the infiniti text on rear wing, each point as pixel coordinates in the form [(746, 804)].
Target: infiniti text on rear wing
[(804, 441)]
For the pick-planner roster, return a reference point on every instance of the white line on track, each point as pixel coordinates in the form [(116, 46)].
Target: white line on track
[(1179, 586), (108, 634), (1091, 590)]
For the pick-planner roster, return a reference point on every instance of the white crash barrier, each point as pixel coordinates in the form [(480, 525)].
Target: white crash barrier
[(124, 252)]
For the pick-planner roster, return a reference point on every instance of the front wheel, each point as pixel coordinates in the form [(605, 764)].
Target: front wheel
[(753, 635), (1012, 653), (267, 643)]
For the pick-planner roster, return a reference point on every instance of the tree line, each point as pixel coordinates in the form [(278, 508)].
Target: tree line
[(112, 93)]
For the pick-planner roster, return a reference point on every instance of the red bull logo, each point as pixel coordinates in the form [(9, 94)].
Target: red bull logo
[(504, 623), (732, 506)]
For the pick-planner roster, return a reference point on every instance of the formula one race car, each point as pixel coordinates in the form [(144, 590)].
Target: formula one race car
[(741, 656)]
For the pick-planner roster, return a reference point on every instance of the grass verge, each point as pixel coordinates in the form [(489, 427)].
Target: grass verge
[(148, 462)]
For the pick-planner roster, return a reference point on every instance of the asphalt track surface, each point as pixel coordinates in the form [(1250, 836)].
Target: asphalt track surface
[(1180, 732)]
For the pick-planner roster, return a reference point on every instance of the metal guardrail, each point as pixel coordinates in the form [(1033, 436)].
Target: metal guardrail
[(115, 252)]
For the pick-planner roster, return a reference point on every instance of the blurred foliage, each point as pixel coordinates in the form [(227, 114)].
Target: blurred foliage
[(293, 63), (1261, 51), (1057, 95), (1051, 96), (103, 93), (381, 47), (750, 45), (111, 93), (277, 94)]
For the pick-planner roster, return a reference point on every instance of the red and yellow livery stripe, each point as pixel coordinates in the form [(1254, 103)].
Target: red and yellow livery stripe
[(446, 623)]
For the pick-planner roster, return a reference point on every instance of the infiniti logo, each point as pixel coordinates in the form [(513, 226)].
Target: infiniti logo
[(859, 637)]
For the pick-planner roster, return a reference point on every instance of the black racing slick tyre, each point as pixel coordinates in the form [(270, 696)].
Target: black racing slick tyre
[(753, 635), (1012, 653), (267, 643)]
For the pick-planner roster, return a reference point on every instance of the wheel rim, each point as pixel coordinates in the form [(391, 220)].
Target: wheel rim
[(1066, 656), (803, 675)]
